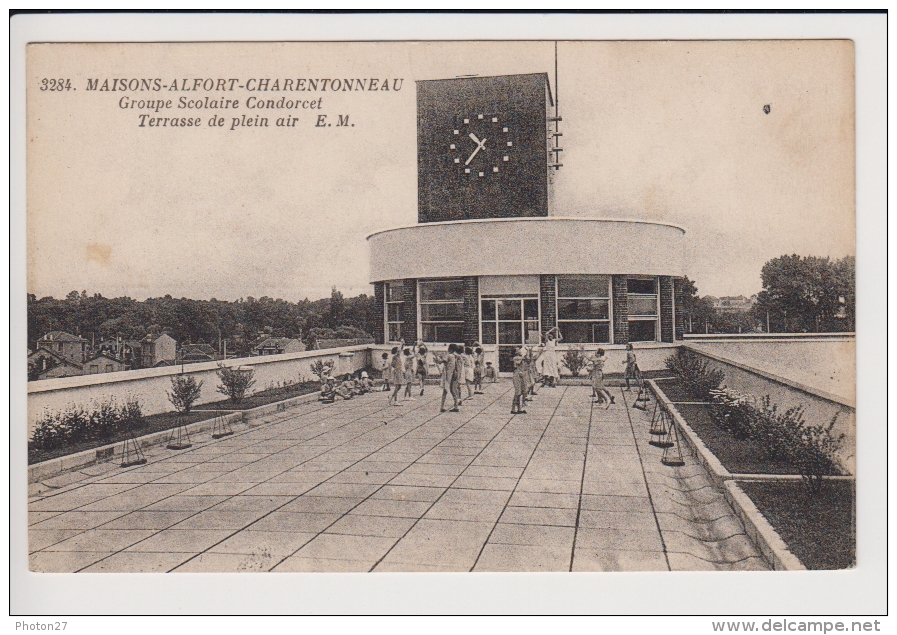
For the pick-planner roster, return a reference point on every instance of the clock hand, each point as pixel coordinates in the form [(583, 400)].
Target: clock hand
[(480, 145)]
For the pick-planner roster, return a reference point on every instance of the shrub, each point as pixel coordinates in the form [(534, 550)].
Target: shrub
[(185, 390), (781, 436), (814, 454), (698, 377), (100, 421), (235, 383), (575, 359), (733, 412), (322, 369)]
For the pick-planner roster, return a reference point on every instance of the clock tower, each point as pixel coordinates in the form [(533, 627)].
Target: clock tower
[(493, 260), (484, 147)]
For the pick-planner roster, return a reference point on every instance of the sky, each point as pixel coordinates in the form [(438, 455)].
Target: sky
[(667, 131)]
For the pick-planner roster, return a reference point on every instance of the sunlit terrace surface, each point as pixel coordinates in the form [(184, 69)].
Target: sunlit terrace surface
[(360, 486)]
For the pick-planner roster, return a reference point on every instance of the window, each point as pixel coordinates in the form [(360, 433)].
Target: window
[(395, 301), (108, 368), (642, 299), (94, 369), (442, 310), (583, 306), (509, 320)]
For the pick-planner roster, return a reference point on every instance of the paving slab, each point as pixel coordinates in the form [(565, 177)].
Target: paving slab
[(362, 486)]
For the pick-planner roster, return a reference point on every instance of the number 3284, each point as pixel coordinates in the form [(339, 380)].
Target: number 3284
[(55, 84)]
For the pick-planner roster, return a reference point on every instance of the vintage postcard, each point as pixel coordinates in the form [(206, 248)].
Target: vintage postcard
[(441, 306)]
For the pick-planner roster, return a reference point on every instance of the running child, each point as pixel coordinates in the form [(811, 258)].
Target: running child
[(599, 391)]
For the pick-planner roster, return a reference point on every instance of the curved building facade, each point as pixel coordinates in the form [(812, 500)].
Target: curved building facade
[(489, 261)]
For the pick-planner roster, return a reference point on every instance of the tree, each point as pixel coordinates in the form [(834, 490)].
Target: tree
[(808, 294), (337, 309), (699, 312), (185, 390), (733, 322), (239, 322)]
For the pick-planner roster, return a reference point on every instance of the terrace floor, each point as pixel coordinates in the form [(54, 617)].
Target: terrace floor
[(362, 486)]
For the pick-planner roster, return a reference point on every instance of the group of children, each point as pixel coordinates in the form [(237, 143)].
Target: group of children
[(462, 365), (525, 377), (459, 365), (404, 367), (466, 365), (349, 387)]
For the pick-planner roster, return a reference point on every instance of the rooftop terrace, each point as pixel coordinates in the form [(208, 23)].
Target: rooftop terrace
[(360, 486)]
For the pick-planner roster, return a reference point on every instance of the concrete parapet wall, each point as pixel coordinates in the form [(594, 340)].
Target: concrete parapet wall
[(150, 385), (823, 361), (819, 406)]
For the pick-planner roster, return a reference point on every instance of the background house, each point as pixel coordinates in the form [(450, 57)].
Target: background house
[(194, 353), (278, 346), (71, 347), (730, 304), (158, 348), (47, 364), (103, 362)]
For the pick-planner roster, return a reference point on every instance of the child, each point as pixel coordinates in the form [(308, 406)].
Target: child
[(439, 361), (529, 370), (446, 367), (478, 371), (421, 369), (366, 384), (519, 385), (409, 374), (468, 362), (345, 388), (327, 393), (457, 350), (355, 382), (397, 374), (489, 373), (550, 358), (630, 364), (386, 372), (537, 369), (599, 391)]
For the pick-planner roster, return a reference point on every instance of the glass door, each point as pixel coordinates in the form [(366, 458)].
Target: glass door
[(509, 323)]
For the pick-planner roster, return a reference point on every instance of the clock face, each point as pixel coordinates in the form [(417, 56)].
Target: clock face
[(481, 146)]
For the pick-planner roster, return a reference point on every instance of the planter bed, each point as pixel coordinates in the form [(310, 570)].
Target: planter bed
[(262, 398), (674, 390), (169, 420), (153, 423), (820, 530), (738, 456)]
